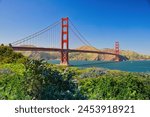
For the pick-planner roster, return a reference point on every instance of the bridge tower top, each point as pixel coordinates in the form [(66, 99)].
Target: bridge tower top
[(117, 51)]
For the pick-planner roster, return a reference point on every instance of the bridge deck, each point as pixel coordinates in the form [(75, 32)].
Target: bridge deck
[(59, 50)]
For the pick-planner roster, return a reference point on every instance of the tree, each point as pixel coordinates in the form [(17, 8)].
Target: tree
[(7, 55)]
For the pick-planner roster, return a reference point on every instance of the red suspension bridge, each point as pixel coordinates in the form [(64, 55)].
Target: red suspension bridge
[(66, 33)]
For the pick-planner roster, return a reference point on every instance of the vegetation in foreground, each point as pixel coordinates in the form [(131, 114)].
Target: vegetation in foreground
[(21, 79)]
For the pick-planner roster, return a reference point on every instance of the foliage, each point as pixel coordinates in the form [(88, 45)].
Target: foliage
[(12, 82), (38, 81), (12, 87), (7, 55), (16, 68), (123, 85), (93, 73), (46, 82)]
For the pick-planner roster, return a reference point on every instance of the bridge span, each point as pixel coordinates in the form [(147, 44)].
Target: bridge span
[(64, 45), (118, 56)]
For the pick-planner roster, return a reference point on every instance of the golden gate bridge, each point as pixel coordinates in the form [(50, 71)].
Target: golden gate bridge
[(60, 37)]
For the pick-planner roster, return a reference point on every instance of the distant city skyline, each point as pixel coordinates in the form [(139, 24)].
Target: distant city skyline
[(102, 22)]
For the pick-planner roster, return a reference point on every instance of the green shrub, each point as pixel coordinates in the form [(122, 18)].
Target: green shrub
[(7, 55), (123, 86), (46, 82), (93, 73), (12, 87)]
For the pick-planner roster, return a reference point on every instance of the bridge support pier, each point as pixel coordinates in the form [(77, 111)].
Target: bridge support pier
[(117, 59), (64, 58)]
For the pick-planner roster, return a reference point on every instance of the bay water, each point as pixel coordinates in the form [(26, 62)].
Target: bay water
[(130, 66)]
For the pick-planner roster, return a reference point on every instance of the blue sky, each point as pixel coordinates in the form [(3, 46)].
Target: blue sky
[(102, 22)]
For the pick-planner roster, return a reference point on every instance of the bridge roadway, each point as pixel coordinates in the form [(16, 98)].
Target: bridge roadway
[(59, 50)]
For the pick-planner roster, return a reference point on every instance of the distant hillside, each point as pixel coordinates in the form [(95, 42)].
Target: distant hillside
[(39, 54), (134, 55), (90, 56), (86, 56), (131, 55)]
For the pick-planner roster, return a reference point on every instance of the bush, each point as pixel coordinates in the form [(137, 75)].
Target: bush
[(7, 55), (12, 87), (125, 86), (46, 82), (37, 80), (93, 73)]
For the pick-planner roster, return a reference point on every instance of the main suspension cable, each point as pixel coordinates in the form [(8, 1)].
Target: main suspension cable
[(80, 34), (36, 34)]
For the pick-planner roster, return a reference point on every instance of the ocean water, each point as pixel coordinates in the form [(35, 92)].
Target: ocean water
[(131, 66)]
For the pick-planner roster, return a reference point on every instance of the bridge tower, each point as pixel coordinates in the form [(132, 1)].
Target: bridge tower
[(117, 48), (64, 41), (117, 51)]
